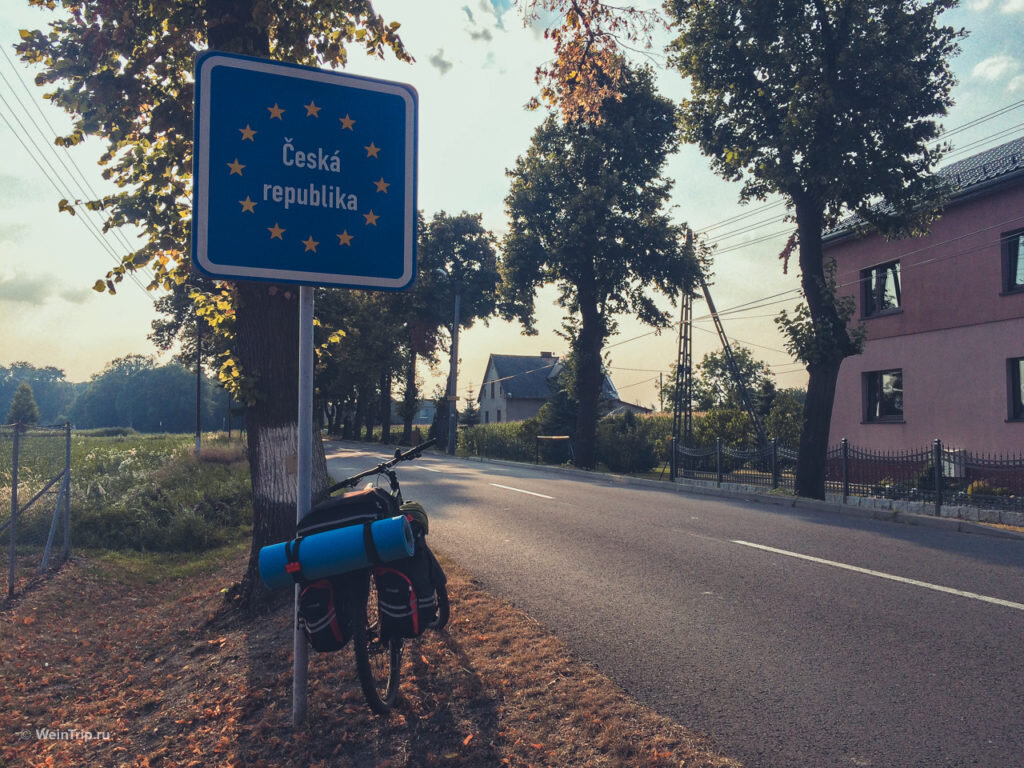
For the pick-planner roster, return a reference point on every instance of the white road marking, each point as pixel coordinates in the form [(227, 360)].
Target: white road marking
[(429, 469), (889, 576), (520, 490)]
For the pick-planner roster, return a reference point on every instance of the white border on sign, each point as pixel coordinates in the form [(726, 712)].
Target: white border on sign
[(200, 218)]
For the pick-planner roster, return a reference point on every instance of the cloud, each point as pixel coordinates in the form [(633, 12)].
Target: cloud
[(1017, 84), (979, 5), (77, 295), (483, 34), (36, 289), (25, 289), (438, 62), (1013, 6), (995, 67)]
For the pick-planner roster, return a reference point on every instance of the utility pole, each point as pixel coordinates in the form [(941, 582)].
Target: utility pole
[(453, 412), (682, 406), (199, 380)]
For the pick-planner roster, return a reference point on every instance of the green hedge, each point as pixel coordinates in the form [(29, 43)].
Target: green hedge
[(625, 443)]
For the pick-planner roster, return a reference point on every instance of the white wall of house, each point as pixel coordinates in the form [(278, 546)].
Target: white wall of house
[(493, 404)]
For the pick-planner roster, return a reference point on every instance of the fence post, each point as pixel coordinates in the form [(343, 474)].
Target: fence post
[(937, 462), (14, 509), (673, 458), (844, 446), (775, 463), (67, 491), (718, 461)]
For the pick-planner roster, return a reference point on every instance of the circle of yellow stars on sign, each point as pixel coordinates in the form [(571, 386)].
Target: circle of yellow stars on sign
[(276, 232)]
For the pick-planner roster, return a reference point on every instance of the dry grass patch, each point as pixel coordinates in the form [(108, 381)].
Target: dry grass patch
[(175, 680)]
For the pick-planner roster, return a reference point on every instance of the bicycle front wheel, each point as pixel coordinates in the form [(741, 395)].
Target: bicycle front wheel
[(378, 662)]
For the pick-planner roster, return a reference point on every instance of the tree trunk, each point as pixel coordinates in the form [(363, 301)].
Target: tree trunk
[(267, 330), (385, 407), (409, 400), (832, 344), (589, 378)]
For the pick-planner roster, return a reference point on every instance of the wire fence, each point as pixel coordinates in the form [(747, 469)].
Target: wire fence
[(35, 510)]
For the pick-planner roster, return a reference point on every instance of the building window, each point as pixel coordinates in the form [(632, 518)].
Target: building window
[(1016, 366), (499, 414), (492, 390), (1013, 262), (882, 292), (884, 395), (487, 417)]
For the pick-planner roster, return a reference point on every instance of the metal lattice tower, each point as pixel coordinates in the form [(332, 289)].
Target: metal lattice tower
[(682, 407)]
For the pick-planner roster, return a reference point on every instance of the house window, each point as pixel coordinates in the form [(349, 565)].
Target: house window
[(1016, 366), (487, 417), (1013, 262), (882, 292), (492, 390), (499, 414), (883, 395)]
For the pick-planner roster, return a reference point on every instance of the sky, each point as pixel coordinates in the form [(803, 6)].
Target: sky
[(474, 72)]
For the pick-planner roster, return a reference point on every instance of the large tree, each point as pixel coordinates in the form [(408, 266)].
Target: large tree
[(715, 387), (586, 211), (831, 104), (123, 70), (460, 255)]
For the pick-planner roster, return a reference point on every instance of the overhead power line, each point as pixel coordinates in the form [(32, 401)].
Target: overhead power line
[(36, 147)]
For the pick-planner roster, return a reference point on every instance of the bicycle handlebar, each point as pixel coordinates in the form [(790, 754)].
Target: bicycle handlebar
[(384, 466)]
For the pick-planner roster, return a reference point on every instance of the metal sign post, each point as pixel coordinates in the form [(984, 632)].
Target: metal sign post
[(304, 486), (306, 176)]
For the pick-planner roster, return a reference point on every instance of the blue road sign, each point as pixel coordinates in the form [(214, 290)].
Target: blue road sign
[(303, 175)]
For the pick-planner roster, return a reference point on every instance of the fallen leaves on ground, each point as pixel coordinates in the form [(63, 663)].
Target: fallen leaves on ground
[(105, 672)]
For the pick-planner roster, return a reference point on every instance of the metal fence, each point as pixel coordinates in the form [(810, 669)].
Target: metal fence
[(934, 479), (35, 485), (771, 467), (936, 476)]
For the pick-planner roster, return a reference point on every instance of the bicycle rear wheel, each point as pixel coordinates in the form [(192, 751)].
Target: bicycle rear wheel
[(378, 662)]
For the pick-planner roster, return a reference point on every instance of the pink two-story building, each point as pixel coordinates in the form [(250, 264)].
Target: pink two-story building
[(944, 316)]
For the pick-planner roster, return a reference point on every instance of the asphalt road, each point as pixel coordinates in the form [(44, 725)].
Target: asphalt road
[(793, 640)]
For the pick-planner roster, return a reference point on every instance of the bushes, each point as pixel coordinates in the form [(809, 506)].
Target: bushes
[(625, 442), (152, 494), (107, 432), (629, 443), (511, 440), (986, 488)]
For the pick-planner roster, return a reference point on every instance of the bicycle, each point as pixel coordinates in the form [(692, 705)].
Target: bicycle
[(379, 660)]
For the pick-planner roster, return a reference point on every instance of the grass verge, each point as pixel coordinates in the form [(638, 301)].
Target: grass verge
[(137, 652)]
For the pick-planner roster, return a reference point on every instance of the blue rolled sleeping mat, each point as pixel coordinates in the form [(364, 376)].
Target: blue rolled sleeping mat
[(337, 551)]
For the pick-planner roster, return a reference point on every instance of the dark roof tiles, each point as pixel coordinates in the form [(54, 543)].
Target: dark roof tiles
[(985, 166)]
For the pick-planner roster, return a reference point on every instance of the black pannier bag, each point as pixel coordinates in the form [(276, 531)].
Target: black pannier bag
[(322, 612), (408, 590), (323, 616)]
